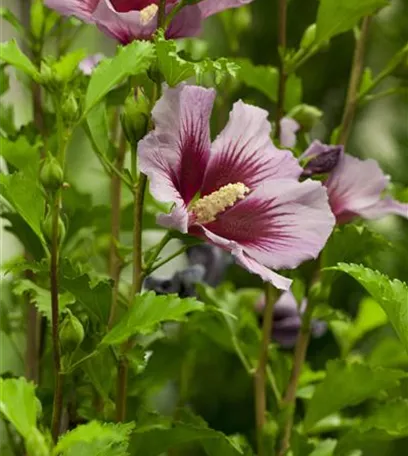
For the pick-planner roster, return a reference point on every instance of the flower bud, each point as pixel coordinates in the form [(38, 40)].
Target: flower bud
[(36, 444), (70, 108), (135, 117), (307, 116), (51, 174), (71, 333), (46, 226), (309, 37), (323, 163), (37, 18)]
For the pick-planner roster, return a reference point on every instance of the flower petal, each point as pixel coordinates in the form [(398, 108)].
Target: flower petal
[(386, 206), (82, 9), (243, 152), (123, 26), (288, 129), (280, 224), (209, 7), (88, 64), (354, 185), (175, 154), (267, 275)]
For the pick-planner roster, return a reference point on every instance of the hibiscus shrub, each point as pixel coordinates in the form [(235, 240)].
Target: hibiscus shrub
[(191, 262)]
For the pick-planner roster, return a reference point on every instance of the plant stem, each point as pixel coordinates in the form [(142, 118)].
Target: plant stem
[(282, 9), (260, 373), (289, 399), (161, 14), (352, 93), (114, 257), (58, 399)]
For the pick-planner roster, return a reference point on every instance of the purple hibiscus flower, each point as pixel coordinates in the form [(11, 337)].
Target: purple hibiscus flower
[(355, 187), (239, 193), (128, 20), (287, 320), (88, 64)]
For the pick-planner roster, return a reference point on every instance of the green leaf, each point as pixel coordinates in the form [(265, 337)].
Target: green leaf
[(94, 296), (259, 77), (370, 443), (392, 295), (95, 439), (335, 17), (25, 196), (324, 448), (67, 66), (175, 69), (147, 311), (348, 384), (391, 417), (21, 154), (370, 316), (130, 60), (98, 132), (9, 16), (161, 434), (4, 80), (18, 404), (12, 54), (42, 297)]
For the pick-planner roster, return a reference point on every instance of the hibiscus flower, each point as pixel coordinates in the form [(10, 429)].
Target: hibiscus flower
[(240, 193), (128, 20), (355, 187)]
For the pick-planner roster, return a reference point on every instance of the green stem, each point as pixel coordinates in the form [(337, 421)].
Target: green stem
[(282, 10), (260, 373), (173, 13), (115, 265), (156, 251), (169, 258), (161, 14), (354, 84), (385, 93), (289, 399)]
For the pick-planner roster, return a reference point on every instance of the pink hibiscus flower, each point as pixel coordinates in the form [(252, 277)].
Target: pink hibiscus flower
[(128, 20), (355, 187), (239, 193)]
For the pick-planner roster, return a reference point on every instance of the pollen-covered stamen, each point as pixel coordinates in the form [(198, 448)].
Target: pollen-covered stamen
[(207, 208), (148, 13)]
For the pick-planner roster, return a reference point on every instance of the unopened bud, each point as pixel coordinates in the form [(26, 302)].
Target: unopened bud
[(70, 108), (307, 116), (135, 117), (51, 174), (309, 37), (47, 228), (37, 18), (36, 444), (324, 162), (71, 333)]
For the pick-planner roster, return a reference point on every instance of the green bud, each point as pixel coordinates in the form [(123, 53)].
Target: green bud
[(307, 116), (37, 18), (309, 37), (71, 333), (135, 117), (51, 174), (70, 108), (46, 226), (36, 444)]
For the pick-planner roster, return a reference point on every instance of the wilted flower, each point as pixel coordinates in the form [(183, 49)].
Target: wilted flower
[(241, 193), (128, 20), (88, 64), (287, 320), (355, 187)]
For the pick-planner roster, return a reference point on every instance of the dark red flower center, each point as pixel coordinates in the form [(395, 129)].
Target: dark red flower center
[(123, 6)]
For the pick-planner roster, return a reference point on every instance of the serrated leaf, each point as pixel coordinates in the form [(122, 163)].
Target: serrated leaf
[(25, 196), (149, 310), (392, 295), (21, 154), (345, 385), (175, 69), (94, 296), (42, 297), (335, 17), (13, 55), (66, 67), (131, 60), (95, 439), (259, 77), (391, 417), (18, 404), (162, 434)]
